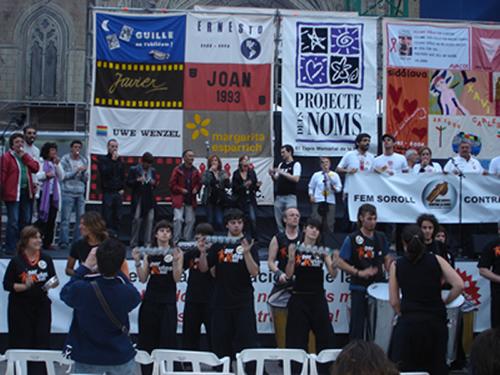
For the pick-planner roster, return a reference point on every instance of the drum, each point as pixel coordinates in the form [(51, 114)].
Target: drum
[(381, 315), (381, 318), (454, 316)]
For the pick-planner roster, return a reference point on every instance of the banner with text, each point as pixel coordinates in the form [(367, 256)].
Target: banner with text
[(442, 85), (401, 198), (476, 292), (166, 83), (336, 293), (329, 80)]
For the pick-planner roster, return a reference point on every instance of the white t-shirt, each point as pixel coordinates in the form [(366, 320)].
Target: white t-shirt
[(430, 168), (495, 166), (317, 186), (466, 166), (395, 163), (355, 159)]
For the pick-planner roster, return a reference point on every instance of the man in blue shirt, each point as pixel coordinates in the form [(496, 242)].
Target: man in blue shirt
[(362, 256), (96, 343)]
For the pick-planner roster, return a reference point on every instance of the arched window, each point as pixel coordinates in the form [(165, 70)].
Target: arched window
[(44, 58)]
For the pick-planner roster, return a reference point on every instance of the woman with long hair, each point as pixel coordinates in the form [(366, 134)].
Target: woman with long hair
[(307, 307), (420, 336), (244, 187), (429, 226), (49, 175), (426, 165), (161, 272), (93, 232), (27, 281), (215, 181)]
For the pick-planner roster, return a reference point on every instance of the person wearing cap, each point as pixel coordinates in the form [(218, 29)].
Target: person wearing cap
[(464, 162), (143, 179), (74, 182), (18, 190), (390, 162)]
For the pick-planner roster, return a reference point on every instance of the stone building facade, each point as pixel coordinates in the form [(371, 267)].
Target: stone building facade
[(43, 46)]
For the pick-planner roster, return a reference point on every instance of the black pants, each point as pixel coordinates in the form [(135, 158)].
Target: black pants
[(308, 312), (359, 315), (29, 327), (233, 330), (157, 328), (111, 205), (419, 343), (495, 308), (47, 227), (195, 314)]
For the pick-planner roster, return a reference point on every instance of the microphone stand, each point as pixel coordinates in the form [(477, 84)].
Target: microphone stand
[(461, 176)]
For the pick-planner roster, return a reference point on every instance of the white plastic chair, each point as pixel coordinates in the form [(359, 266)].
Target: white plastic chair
[(143, 358), (17, 360), (164, 361), (261, 355), (327, 355)]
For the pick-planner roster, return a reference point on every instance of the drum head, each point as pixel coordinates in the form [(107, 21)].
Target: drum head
[(379, 291), (457, 302)]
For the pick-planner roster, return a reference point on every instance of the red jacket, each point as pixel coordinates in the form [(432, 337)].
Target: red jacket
[(178, 182), (10, 176)]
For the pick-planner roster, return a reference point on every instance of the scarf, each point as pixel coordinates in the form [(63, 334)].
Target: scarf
[(43, 211)]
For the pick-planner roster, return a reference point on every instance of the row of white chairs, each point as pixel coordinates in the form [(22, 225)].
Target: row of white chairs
[(163, 360)]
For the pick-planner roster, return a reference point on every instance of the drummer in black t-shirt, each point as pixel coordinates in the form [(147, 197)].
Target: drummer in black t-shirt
[(420, 337), (198, 306), (489, 268), (234, 322), (158, 311), (307, 307), (29, 312), (277, 259), (362, 255)]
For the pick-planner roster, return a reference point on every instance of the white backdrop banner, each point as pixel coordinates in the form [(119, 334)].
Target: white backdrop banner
[(214, 38), (402, 198), (329, 83), (425, 46), (136, 130), (337, 295), (477, 292)]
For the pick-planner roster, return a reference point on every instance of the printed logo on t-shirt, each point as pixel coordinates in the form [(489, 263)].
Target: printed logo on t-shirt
[(160, 268), (283, 251), (230, 255), (35, 276), (193, 263), (367, 252), (496, 251), (308, 260)]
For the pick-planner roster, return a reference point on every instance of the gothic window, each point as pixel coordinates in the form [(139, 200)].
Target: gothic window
[(44, 58)]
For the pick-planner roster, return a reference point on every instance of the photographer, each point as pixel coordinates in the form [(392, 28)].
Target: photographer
[(98, 339)]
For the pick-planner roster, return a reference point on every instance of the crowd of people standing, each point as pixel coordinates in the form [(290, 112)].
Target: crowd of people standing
[(220, 291)]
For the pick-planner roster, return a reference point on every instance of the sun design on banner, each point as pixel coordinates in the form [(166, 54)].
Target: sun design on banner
[(199, 126), (329, 55), (471, 290)]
